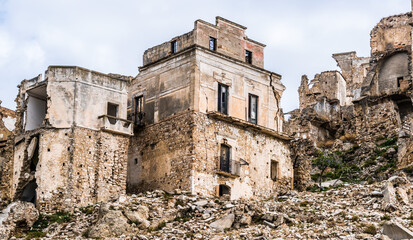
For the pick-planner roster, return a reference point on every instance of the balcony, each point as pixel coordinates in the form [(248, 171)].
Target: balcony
[(234, 170), (116, 125)]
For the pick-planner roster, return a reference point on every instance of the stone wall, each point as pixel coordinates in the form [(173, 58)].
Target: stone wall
[(71, 167), (161, 155), (253, 149), (182, 152)]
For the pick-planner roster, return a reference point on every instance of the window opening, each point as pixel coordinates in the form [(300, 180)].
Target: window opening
[(138, 110), (274, 170), (223, 99), (248, 56), (212, 44), (225, 158), (253, 109), (399, 79), (224, 190), (112, 112), (173, 46)]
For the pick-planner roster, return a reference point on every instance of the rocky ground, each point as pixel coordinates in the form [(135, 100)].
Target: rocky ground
[(346, 212)]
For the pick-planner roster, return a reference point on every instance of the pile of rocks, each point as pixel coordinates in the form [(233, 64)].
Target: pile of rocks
[(351, 212)]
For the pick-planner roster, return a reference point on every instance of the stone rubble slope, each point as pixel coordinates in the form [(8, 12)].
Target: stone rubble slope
[(349, 212)]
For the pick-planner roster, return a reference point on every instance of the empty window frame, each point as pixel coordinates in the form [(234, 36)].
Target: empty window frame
[(173, 46), (222, 99), (138, 110), (399, 80), (224, 163), (224, 190), (212, 44), (274, 170), (112, 111), (253, 108), (248, 56)]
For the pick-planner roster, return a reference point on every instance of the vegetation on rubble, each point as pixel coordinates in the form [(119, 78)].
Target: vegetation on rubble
[(346, 165)]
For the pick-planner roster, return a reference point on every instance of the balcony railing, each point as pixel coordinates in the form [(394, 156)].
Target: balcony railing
[(233, 171), (116, 125)]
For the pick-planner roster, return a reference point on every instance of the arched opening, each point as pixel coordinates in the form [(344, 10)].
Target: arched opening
[(224, 191), (394, 71)]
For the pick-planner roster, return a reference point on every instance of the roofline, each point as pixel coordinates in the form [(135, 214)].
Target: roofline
[(196, 46), (93, 71), (230, 22)]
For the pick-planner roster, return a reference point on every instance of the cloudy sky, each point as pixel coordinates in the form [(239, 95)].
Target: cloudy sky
[(110, 36)]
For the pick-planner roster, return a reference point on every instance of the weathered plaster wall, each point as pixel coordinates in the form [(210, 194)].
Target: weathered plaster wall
[(254, 147), (231, 42), (78, 96), (167, 87), (242, 80)]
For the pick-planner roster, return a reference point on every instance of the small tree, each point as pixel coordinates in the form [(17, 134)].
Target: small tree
[(323, 162)]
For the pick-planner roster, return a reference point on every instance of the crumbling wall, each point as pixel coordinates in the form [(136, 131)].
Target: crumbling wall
[(161, 155), (353, 69), (156, 53), (253, 149), (391, 33)]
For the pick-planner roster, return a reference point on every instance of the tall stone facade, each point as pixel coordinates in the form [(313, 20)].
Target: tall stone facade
[(210, 117), (71, 142)]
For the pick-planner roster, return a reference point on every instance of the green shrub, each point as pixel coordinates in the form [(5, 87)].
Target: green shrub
[(370, 229)]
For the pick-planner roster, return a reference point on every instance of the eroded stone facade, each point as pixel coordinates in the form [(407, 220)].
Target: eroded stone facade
[(378, 95), (196, 93), (71, 142)]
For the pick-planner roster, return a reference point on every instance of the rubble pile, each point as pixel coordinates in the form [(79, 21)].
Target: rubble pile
[(359, 211)]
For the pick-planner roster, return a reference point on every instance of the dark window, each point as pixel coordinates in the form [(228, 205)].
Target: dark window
[(224, 190), (138, 109), (112, 112), (274, 170), (399, 79), (224, 163), (223, 99), (173, 46), (212, 44), (248, 56), (253, 108)]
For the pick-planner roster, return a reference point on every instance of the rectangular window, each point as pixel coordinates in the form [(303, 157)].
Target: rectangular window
[(222, 99), (138, 110), (212, 44), (224, 163), (253, 108), (112, 111), (399, 79), (274, 170), (248, 56), (173, 46)]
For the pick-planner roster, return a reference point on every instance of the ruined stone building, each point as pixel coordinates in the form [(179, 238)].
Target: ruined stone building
[(203, 116), (211, 115), (71, 139), (369, 99)]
